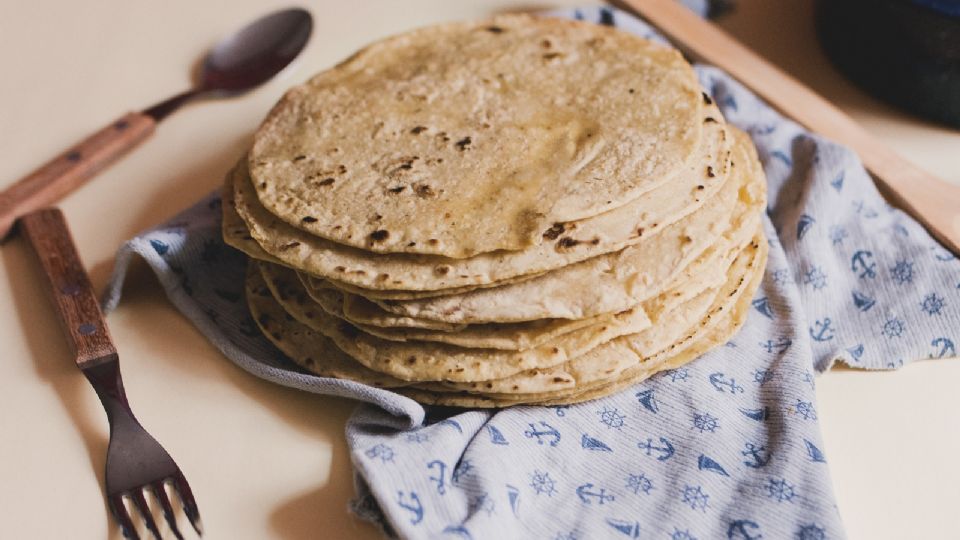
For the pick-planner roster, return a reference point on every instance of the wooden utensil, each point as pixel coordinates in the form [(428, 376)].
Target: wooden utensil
[(931, 201), (135, 460), (239, 63)]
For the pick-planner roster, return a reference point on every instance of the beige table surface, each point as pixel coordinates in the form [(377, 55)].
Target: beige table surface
[(268, 462)]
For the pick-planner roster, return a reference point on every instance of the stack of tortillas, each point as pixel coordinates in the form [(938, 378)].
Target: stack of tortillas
[(523, 210)]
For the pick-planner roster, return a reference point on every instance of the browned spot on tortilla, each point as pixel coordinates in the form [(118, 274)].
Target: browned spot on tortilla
[(707, 99), (495, 29), (554, 232), (379, 235), (309, 219), (397, 189), (291, 245), (418, 130), (325, 182), (567, 242), (424, 191), (442, 270)]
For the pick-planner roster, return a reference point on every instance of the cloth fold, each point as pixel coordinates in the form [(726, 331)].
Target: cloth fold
[(726, 447)]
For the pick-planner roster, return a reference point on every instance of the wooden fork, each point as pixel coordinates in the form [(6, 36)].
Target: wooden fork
[(135, 461)]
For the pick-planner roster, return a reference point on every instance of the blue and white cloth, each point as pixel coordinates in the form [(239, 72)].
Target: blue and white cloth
[(725, 447)]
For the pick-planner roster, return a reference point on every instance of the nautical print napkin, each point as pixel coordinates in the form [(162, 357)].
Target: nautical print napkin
[(726, 447)]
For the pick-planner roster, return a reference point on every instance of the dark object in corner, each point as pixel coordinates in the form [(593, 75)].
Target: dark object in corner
[(720, 7), (906, 52)]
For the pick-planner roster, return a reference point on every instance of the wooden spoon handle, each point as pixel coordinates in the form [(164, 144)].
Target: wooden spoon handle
[(69, 286), (931, 201), (73, 168)]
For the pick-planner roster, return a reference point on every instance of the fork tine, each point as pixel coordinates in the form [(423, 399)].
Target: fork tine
[(159, 490), (189, 503), (119, 511), (141, 503)]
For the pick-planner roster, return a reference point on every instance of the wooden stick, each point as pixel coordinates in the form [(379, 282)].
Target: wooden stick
[(931, 201)]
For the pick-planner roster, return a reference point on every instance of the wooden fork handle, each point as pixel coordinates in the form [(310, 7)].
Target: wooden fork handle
[(73, 168), (69, 286)]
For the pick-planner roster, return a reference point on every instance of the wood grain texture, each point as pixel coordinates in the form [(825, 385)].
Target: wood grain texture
[(73, 168), (931, 201), (69, 287)]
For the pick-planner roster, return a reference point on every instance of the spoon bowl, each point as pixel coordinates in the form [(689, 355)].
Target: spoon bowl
[(257, 52), (246, 59)]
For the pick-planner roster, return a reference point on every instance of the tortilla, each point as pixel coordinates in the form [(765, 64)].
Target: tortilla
[(300, 344), (594, 372), (429, 361), (617, 381), (672, 329), (489, 132)]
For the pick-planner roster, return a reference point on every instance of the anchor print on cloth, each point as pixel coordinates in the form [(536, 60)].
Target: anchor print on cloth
[(725, 447)]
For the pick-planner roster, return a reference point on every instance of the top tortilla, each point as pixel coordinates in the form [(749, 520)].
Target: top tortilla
[(468, 138)]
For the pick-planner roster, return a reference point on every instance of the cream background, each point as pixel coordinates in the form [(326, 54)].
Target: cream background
[(264, 461)]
